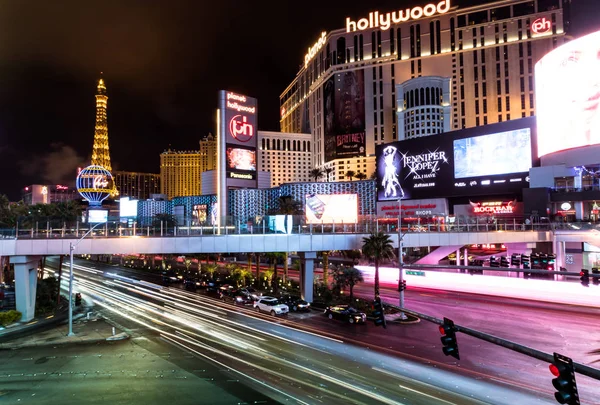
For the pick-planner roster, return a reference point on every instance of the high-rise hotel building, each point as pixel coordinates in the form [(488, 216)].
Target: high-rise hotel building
[(287, 157), (137, 186), (391, 75), (181, 171)]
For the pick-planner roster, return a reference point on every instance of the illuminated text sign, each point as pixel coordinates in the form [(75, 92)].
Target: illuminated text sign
[(234, 100), (384, 21), (312, 51), (493, 207)]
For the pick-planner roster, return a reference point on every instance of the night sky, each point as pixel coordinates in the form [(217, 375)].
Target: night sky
[(163, 63)]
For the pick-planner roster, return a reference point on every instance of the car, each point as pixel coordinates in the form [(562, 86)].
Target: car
[(236, 297), (252, 292), (271, 305), (345, 313), (295, 303)]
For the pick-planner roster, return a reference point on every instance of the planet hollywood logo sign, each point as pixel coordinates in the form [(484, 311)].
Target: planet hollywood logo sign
[(385, 20), (312, 51), (236, 102), (240, 129), (541, 26)]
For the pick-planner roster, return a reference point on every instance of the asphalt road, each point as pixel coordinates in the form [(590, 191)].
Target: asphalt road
[(137, 371), (310, 367)]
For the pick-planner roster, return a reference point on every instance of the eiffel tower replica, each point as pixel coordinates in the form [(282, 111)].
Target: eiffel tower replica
[(100, 152)]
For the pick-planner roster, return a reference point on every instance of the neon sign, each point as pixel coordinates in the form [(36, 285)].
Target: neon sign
[(384, 21), (100, 182), (240, 129), (541, 25), (60, 187), (232, 103), (312, 51), (493, 207)]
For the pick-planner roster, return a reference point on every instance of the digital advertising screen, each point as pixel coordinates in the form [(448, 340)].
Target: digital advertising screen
[(567, 88), (127, 207), (331, 208), (200, 214), (344, 111), (97, 216), (241, 162), (487, 155), (492, 159)]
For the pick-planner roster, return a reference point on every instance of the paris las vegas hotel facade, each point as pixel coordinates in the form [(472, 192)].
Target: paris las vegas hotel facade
[(388, 75)]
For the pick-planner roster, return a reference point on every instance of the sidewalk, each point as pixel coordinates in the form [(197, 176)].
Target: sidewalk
[(94, 329)]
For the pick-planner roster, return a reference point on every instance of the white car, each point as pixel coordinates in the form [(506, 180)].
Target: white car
[(271, 305)]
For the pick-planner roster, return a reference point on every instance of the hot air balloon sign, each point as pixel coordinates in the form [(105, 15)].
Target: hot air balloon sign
[(95, 184)]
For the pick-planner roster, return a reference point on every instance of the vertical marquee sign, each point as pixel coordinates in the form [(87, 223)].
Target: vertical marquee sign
[(237, 140)]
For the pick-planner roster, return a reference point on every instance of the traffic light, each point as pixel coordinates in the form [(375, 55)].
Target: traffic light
[(448, 339), (77, 299), (595, 280), (536, 261), (494, 262), (525, 261), (551, 262), (378, 313), (402, 286), (565, 384), (504, 261), (515, 260), (585, 277)]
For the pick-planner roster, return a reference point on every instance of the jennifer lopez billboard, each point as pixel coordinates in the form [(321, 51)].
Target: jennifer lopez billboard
[(344, 108), (567, 84)]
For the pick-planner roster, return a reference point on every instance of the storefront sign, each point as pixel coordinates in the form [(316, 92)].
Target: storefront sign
[(413, 208), (384, 21), (493, 207)]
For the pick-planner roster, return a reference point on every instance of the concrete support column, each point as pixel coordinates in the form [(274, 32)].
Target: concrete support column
[(466, 260), (458, 260), (25, 285), (578, 210), (307, 274)]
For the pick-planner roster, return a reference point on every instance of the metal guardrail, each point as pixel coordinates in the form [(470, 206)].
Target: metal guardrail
[(365, 225), (516, 347)]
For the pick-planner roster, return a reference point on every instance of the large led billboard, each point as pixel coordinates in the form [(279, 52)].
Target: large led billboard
[(127, 207), (344, 113), (331, 208), (567, 87), (487, 155), (241, 162), (487, 160)]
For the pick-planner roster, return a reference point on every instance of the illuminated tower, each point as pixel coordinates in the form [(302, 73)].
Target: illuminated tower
[(100, 153)]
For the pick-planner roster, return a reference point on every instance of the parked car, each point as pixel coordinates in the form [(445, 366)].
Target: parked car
[(345, 313), (295, 303), (252, 292), (236, 297), (271, 305)]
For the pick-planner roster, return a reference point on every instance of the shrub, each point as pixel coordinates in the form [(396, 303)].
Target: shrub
[(8, 317)]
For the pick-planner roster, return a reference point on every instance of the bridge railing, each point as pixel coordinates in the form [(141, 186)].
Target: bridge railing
[(274, 224)]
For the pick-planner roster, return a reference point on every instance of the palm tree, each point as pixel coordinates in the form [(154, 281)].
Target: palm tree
[(328, 171), (361, 176), (211, 269), (348, 277), (325, 257), (350, 174), (378, 246), (316, 173), (373, 176)]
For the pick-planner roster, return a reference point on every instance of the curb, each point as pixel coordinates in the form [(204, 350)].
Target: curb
[(119, 336)]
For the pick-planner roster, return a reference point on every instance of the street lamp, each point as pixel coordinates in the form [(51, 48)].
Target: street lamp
[(71, 249), (400, 258)]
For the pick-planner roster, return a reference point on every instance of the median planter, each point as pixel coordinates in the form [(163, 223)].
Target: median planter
[(9, 317)]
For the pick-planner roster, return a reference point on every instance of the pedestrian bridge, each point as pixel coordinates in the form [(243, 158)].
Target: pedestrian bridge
[(24, 247)]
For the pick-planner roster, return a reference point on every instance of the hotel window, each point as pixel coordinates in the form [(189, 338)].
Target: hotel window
[(399, 36)]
